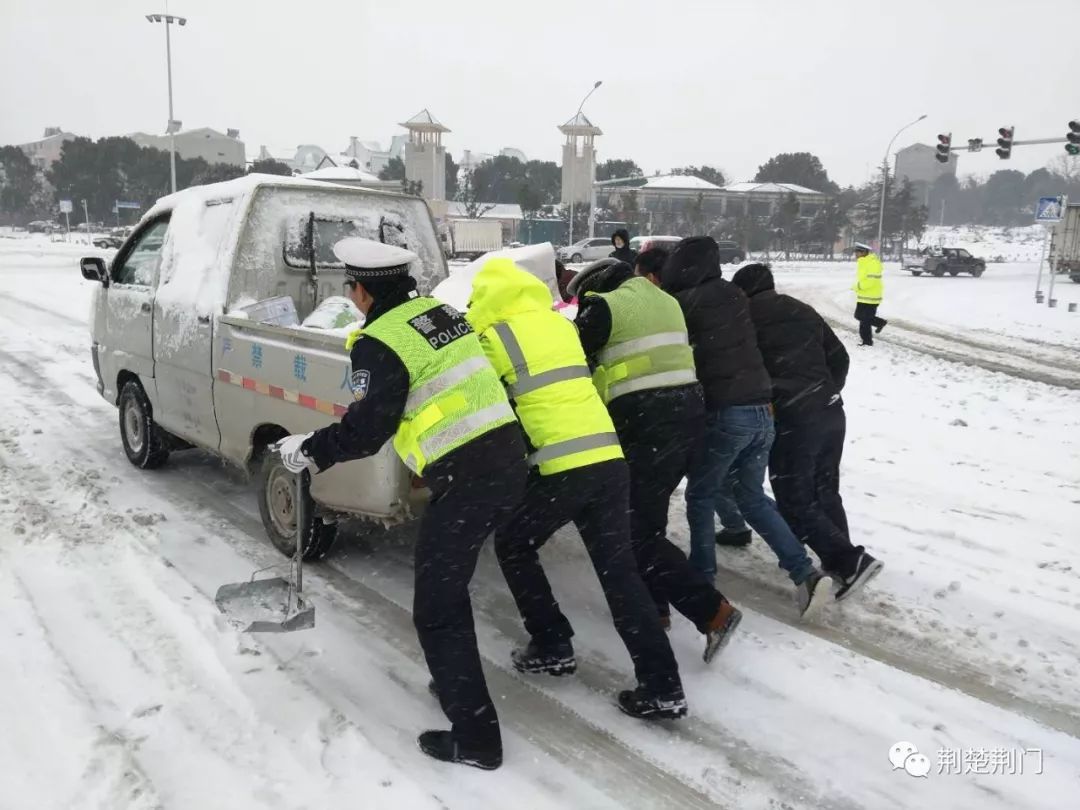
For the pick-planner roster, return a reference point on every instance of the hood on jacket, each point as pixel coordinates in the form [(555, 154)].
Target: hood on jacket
[(625, 234), (694, 260), (753, 279), (501, 290)]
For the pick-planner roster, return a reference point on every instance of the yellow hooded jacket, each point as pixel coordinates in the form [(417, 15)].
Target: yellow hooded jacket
[(869, 286), (537, 355)]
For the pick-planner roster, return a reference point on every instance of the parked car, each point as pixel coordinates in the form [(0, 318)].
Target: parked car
[(108, 241), (731, 253), (640, 243), (587, 250), (953, 261), (178, 346), (42, 226)]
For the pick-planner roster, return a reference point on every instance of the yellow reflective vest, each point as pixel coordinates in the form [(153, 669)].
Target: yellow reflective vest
[(648, 346), (537, 354), (868, 284), (454, 394)]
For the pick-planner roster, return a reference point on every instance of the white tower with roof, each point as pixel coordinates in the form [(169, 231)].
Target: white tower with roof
[(425, 157), (578, 159)]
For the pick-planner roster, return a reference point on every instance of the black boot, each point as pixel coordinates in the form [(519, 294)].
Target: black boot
[(647, 705), (442, 746), (553, 658), (881, 326), (737, 538)]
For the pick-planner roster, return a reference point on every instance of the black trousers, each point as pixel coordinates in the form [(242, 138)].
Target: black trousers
[(866, 315), (457, 522), (595, 499), (804, 470), (658, 453)]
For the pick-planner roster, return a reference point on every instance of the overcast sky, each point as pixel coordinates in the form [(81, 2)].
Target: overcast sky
[(724, 82)]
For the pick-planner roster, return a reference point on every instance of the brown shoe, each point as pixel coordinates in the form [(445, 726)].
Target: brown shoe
[(717, 636)]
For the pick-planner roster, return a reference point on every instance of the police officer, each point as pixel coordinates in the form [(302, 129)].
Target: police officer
[(578, 475), (420, 376), (635, 334), (869, 289)]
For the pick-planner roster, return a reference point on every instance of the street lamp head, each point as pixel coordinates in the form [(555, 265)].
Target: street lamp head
[(921, 117), (153, 18), (597, 85), (183, 21)]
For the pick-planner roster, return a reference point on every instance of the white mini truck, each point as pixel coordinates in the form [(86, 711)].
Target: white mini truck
[(175, 349)]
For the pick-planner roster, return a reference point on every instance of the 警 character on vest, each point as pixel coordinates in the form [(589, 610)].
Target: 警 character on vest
[(808, 365), (739, 429), (869, 288), (419, 376), (578, 475), (635, 336)]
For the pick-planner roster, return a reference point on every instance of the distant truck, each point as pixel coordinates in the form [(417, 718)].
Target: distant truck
[(471, 238), (179, 347), (1065, 244), (953, 261)]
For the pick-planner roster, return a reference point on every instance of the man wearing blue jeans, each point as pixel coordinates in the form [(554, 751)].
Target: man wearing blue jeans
[(739, 426)]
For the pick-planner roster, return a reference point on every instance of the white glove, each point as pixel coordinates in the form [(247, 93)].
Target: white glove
[(295, 459)]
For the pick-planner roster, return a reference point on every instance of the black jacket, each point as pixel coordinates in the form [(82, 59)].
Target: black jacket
[(625, 253), (379, 386), (729, 365), (807, 362)]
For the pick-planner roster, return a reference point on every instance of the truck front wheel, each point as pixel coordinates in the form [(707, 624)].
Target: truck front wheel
[(940, 270), (145, 443), (977, 271), (277, 506), (916, 272)]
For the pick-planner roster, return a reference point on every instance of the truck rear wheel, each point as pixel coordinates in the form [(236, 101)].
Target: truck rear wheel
[(145, 444), (277, 507), (977, 271), (916, 272), (940, 270)]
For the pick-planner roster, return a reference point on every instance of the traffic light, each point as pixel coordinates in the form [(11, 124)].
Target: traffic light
[(943, 148), (975, 144), (1005, 143), (1073, 138)]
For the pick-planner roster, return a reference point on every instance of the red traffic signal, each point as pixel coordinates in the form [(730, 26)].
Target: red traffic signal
[(1005, 142), (943, 148)]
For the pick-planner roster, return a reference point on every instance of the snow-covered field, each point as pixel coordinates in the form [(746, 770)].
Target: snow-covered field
[(124, 688)]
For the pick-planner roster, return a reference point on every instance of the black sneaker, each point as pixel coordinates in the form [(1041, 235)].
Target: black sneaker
[(442, 746), (814, 593), (737, 539), (646, 705), (554, 659), (865, 570)]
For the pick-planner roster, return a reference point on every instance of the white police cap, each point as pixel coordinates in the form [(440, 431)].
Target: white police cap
[(862, 246), (366, 258)]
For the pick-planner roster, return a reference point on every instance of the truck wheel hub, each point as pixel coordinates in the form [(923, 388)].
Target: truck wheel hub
[(281, 498), (133, 427)]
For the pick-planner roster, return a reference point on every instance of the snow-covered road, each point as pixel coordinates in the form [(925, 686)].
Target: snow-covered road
[(125, 688)]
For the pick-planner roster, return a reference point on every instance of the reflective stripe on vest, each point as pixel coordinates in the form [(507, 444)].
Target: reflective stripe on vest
[(612, 353), (434, 445), (571, 446), (663, 379), (448, 379), (526, 382)]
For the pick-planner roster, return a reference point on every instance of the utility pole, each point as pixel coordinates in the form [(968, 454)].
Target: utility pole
[(174, 125), (942, 222), (86, 215)]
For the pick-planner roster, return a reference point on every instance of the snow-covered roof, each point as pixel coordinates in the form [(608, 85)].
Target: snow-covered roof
[(456, 210), (581, 125), (768, 188), (677, 182), (338, 173), (425, 121)]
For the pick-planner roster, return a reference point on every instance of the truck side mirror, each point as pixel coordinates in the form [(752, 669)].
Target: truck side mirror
[(93, 269)]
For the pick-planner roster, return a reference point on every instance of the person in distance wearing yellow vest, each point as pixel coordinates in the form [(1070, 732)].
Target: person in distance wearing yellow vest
[(420, 376), (636, 333), (578, 474), (869, 289)]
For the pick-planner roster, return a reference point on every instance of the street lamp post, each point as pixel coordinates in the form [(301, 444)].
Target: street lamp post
[(573, 160), (174, 125), (885, 181)]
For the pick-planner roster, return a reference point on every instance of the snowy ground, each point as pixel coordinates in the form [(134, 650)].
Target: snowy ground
[(123, 687)]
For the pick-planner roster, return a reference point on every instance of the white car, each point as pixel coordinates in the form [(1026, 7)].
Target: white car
[(642, 243), (587, 250)]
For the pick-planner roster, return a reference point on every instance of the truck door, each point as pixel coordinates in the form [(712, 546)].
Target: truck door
[(127, 338)]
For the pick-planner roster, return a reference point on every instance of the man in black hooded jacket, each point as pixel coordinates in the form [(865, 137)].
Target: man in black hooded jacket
[(620, 240), (739, 430), (808, 366)]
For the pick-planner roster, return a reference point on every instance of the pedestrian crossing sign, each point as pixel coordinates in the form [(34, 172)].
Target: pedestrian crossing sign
[(1049, 209)]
